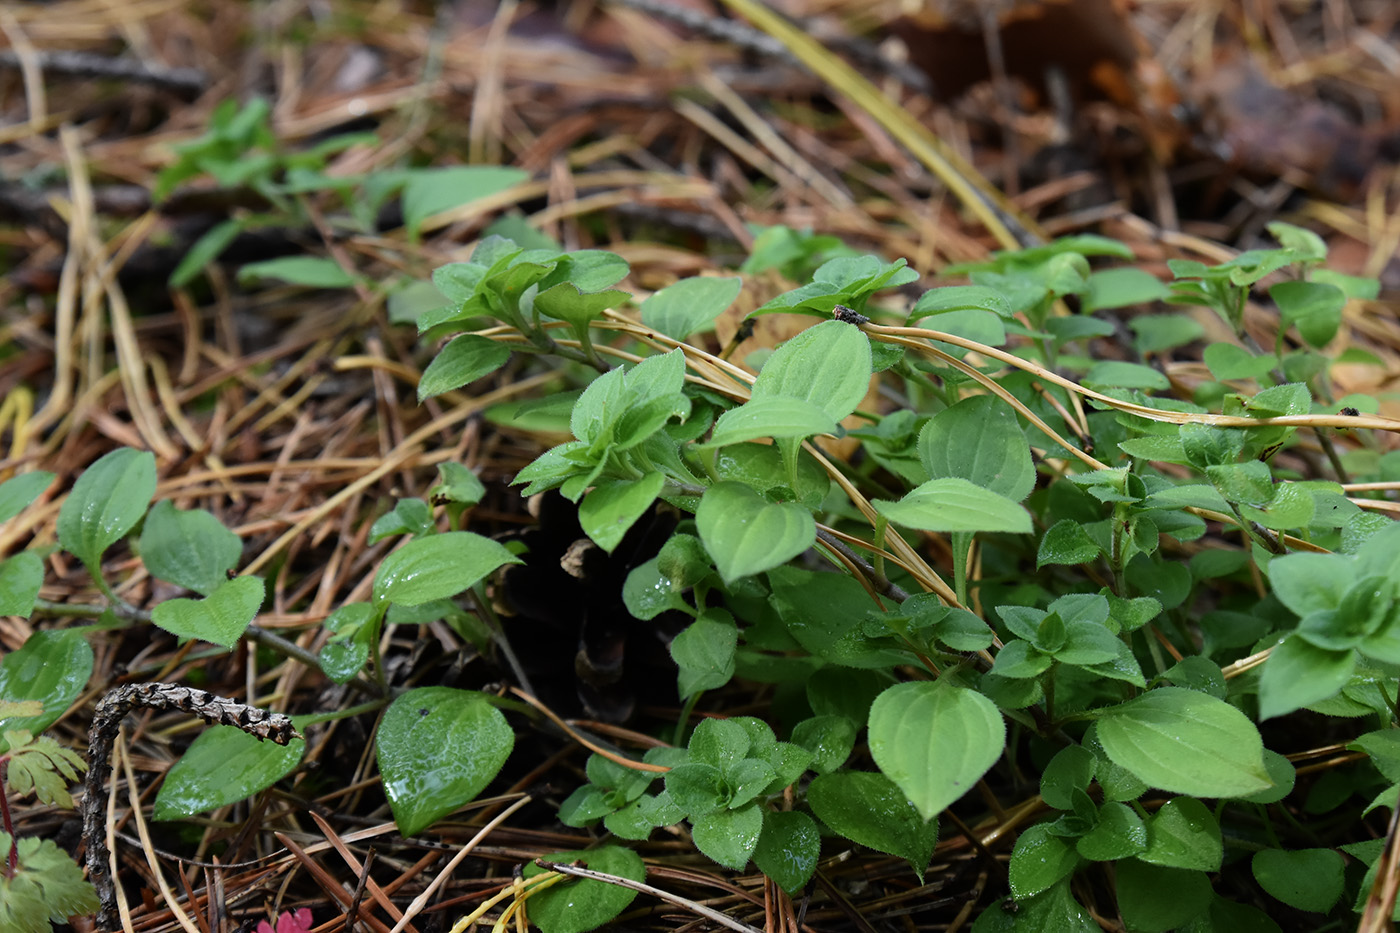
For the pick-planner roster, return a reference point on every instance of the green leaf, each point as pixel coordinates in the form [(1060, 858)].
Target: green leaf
[(437, 567), (17, 493), (728, 837), (190, 548), (465, 359), (1072, 769), (828, 365), (1248, 483), (21, 577), (1055, 909), (1122, 375), (106, 502), (46, 887), (1185, 742), (1066, 543), (746, 534), (788, 849), (221, 617), (830, 739), (456, 484), (1227, 362), (979, 440), (205, 250), (697, 787), (1291, 507), (1119, 288), (704, 652), (683, 308), (1307, 583), (1305, 879), (430, 191), (953, 504), (1119, 833), (776, 416), (42, 767), (960, 298), (647, 594), (438, 748), (310, 271), (1039, 860), (870, 810), (935, 741), (1314, 307), (1155, 899), (408, 516), (51, 668), (222, 766), (567, 302), (1157, 333), (1298, 674), (583, 904), (613, 507), (1184, 834)]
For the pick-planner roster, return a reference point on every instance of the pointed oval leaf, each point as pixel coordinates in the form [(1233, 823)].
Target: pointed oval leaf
[(746, 534), (583, 904), (770, 416), (683, 308), (465, 359), (18, 492), (612, 508), (788, 849), (870, 810), (1185, 742), (729, 836), (1039, 860), (52, 668), (191, 548), (979, 440), (222, 617), (1184, 834), (106, 502), (437, 567), (21, 577), (935, 741), (828, 365), (438, 747), (224, 765), (1306, 879), (953, 504)]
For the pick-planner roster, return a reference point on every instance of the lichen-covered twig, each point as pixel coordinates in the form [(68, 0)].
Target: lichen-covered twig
[(111, 710)]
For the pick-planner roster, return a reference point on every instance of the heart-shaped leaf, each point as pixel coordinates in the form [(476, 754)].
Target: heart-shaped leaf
[(438, 747), (870, 810), (222, 617), (583, 904), (935, 741), (437, 567), (190, 548), (954, 504), (106, 502), (224, 765), (746, 534)]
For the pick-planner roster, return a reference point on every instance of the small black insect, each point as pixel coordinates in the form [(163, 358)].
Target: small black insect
[(850, 316), (1349, 412)]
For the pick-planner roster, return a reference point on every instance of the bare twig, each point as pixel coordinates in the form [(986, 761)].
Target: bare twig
[(111, 710)]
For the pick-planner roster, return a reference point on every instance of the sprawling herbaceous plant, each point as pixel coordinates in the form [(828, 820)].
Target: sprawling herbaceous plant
[(1132, 575)]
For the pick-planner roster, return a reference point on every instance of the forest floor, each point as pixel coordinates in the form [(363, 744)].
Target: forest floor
[(1179, 128)]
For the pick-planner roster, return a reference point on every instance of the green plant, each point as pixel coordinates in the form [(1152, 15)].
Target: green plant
[(40, 885), (1189, 578), (241, 152)]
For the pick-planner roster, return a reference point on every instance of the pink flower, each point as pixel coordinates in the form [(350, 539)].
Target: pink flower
[(290, 922)]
